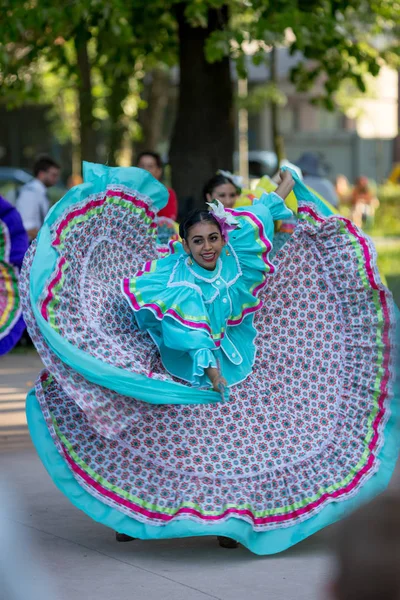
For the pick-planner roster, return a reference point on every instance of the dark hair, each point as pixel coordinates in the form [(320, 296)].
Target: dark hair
[(44, 163), (216, 181), (154, 155), (194, 217)]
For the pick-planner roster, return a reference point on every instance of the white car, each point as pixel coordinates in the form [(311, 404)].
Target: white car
[(11, 180)]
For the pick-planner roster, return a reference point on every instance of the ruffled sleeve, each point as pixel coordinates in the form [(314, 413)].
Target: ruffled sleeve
[(186, 352), (176, 318), (270, 208), (252, 240)]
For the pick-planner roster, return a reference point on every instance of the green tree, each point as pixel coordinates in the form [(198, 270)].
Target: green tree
[(90, 44), (40, 32)]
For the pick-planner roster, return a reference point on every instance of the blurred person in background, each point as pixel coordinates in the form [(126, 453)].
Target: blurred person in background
[(33, 203), (367, 552), (167, 228), (151, 162), (314, 177), (343, 189), (364, 202)]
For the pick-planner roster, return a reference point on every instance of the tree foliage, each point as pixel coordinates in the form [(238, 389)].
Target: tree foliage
[(96, 51), (338, 39), (94, 47)]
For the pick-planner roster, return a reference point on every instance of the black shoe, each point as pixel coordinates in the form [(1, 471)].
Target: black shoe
[(122, 537), (226, 542)]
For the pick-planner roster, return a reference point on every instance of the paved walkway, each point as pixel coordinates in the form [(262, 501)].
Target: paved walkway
[(83, 560)]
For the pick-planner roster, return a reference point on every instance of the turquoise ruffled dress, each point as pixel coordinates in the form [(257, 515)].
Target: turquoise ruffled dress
[(200, 318), (309, 428)]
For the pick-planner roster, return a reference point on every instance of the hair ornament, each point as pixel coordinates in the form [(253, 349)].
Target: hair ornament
[(237, 180), (224, 218)]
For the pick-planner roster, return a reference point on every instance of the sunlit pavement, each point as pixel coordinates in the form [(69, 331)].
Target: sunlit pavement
[(18, 373), (82, 560)]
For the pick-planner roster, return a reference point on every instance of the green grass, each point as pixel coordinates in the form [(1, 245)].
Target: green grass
[(387, 221), (394, 286), (389, 265), (385, 232)]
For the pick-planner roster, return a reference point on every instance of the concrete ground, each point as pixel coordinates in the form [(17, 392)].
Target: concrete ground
[(81, 558)]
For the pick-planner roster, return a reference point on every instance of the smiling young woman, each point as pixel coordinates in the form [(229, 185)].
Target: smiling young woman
[(202, 239)]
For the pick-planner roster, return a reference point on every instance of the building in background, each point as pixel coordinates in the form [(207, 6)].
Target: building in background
[(361, 143)]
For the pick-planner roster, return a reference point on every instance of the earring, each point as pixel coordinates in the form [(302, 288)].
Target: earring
[(227, 252), (190, 262)]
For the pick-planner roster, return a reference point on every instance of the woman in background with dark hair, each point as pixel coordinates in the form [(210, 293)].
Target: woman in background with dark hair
[(222, 187), (367, 552)]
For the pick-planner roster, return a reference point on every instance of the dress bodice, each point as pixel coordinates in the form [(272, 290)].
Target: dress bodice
[(200, 318)]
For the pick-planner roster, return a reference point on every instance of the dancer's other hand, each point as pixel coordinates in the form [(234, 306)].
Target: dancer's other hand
[(286, 184)]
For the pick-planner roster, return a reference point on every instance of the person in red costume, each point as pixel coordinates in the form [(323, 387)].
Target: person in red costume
[(151, 161)]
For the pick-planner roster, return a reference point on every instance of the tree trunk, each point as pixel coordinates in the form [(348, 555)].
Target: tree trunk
[(119, 91), (203, 138), (151, 118), (86, 129), (277, 137)]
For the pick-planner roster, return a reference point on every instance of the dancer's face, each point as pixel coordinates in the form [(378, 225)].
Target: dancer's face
[(225, 193), (204, 242)]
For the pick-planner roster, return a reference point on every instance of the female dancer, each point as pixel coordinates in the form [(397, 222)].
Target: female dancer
[(302, 433)]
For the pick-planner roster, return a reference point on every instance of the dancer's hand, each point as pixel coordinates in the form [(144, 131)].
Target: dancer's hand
[(286, 184), (219, 383)]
